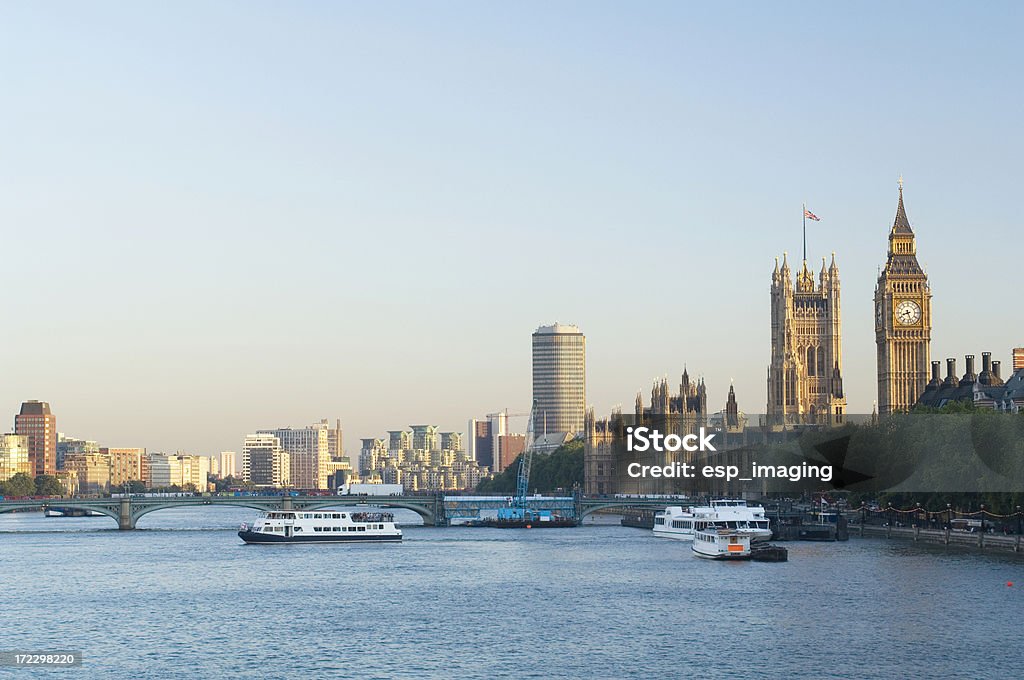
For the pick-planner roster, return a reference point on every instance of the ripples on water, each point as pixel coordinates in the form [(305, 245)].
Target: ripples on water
[(185, 597)]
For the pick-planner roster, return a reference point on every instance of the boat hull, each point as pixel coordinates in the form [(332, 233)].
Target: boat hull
[(677, 535), (721, 545), (723, 556), (256, 538), (758, 535)]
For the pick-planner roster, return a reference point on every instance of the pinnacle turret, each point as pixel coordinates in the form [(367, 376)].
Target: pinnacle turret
[(901, 225)]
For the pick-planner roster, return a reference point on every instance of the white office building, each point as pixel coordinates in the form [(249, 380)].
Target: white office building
[(308, 451), (264, 461), (559, 379)]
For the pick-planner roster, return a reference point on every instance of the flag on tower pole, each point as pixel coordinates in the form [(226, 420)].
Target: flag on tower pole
[(808, 215)]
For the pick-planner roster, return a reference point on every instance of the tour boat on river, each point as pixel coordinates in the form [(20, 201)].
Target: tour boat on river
[(680, 524), (321, 526), (721, 544), (677, 523), (733, 513)]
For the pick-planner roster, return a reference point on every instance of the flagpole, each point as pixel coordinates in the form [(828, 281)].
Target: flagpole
[(805, 232)]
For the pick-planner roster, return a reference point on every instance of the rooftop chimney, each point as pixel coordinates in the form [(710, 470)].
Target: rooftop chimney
[(951, 373), (936, 380), (986, 369), (1018, 358), (995, 373), (969, 375)]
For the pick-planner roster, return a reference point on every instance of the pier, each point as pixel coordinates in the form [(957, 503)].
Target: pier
[(965, 539)]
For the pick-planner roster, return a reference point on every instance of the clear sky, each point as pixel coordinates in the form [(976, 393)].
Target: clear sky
[(224, 216)]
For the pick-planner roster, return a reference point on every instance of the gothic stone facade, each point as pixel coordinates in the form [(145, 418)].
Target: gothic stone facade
[(805, 383), (903, 320)]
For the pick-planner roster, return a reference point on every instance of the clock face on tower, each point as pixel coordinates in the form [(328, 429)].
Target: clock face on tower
[(908, 312)]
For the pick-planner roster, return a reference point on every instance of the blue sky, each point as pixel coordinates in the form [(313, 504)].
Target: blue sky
[(226, 216)]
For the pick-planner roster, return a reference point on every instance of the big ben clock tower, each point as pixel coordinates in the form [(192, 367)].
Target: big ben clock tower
[(903, 320)]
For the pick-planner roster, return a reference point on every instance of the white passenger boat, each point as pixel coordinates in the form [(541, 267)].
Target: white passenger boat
[(730, 513), (721, 544), (677, 523), (321, 526)]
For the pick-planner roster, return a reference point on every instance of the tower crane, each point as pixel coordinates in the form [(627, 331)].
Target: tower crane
[(518, 509), (509, 415)]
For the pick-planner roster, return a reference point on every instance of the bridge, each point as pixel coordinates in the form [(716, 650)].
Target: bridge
[(127, 511), (436, 510)]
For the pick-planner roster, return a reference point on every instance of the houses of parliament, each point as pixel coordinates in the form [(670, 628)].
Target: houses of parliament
[(805, 376), (805, 379), (805, 371)]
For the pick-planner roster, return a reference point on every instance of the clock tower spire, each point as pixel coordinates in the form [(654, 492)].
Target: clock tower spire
[(903, 320)]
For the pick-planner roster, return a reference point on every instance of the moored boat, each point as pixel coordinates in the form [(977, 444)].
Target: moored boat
[(677, 523), (640, 518), (300, 526), (721, 544), (731, 513), (762, 552)]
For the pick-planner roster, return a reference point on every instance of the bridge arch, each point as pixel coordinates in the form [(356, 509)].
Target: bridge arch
[(143, 506), (590, 507), (108, 509)]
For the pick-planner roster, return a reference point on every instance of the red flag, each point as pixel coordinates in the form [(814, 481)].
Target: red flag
[(811, 216)]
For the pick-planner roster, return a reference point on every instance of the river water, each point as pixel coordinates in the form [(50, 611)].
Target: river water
[(183, 596)]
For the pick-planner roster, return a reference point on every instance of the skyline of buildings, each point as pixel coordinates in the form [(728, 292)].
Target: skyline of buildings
[(805, 380), (84, 466), (422, 458), (710, 195)]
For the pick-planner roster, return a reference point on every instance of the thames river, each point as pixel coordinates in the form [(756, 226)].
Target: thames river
[(183, 596)]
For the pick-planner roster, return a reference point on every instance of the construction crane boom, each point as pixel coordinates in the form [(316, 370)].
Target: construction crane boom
[(523, 478), (507, 414)]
